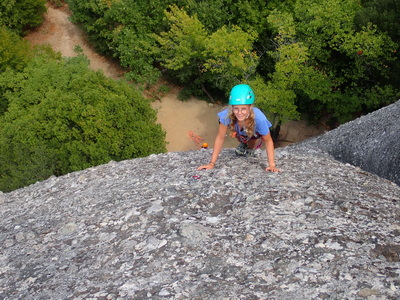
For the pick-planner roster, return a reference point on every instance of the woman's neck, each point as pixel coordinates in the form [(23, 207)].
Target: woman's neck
[(242, 124)]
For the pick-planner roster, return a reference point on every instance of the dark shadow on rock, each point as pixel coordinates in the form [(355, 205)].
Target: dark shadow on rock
[(371, 142)]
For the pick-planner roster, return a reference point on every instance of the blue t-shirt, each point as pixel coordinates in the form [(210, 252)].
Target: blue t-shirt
[(262, 124)]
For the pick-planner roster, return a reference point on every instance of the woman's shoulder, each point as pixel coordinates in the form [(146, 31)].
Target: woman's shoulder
[(224, 112), (224, 117), (258, 113)]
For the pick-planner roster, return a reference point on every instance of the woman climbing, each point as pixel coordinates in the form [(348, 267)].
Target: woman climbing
[(247, 123)]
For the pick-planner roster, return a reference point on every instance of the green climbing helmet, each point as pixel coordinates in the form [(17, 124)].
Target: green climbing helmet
[(241, 94)]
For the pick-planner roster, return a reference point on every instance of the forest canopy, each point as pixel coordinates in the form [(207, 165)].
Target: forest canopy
[(22, 15), (333, 58), (58, 116)]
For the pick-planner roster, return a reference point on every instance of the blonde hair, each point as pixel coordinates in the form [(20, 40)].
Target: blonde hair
[(250, 122)]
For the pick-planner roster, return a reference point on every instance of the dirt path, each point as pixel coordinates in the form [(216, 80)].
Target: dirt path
[(63, 36), (183, 121)]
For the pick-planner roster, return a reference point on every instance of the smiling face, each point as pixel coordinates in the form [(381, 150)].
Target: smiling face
[(241, 111)]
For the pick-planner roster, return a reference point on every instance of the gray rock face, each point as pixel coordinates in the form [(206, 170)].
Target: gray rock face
[(156, 228), (371, 142)]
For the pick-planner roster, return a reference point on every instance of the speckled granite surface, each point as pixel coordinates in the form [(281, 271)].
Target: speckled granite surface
[(156, 228)]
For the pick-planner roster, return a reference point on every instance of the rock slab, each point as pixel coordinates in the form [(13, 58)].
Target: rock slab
[(156, 228), (371, 142)]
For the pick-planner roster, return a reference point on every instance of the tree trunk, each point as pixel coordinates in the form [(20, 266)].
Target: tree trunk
[(208, 94)]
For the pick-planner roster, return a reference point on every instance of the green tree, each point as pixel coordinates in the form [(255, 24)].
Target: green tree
[(230, 57), (217, 60), (348, 60), (14, 51), (182, 47), (14, 54), (277, 97), (384, 14), (92, 16), (342, 66), (123, 29), (64, 117), (21, 15)]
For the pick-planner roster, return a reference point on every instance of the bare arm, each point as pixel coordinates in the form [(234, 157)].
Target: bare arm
[(270, 149), (219, 141)]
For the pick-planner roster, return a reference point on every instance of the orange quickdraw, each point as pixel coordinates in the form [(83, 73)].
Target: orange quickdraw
[(198, 140)]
